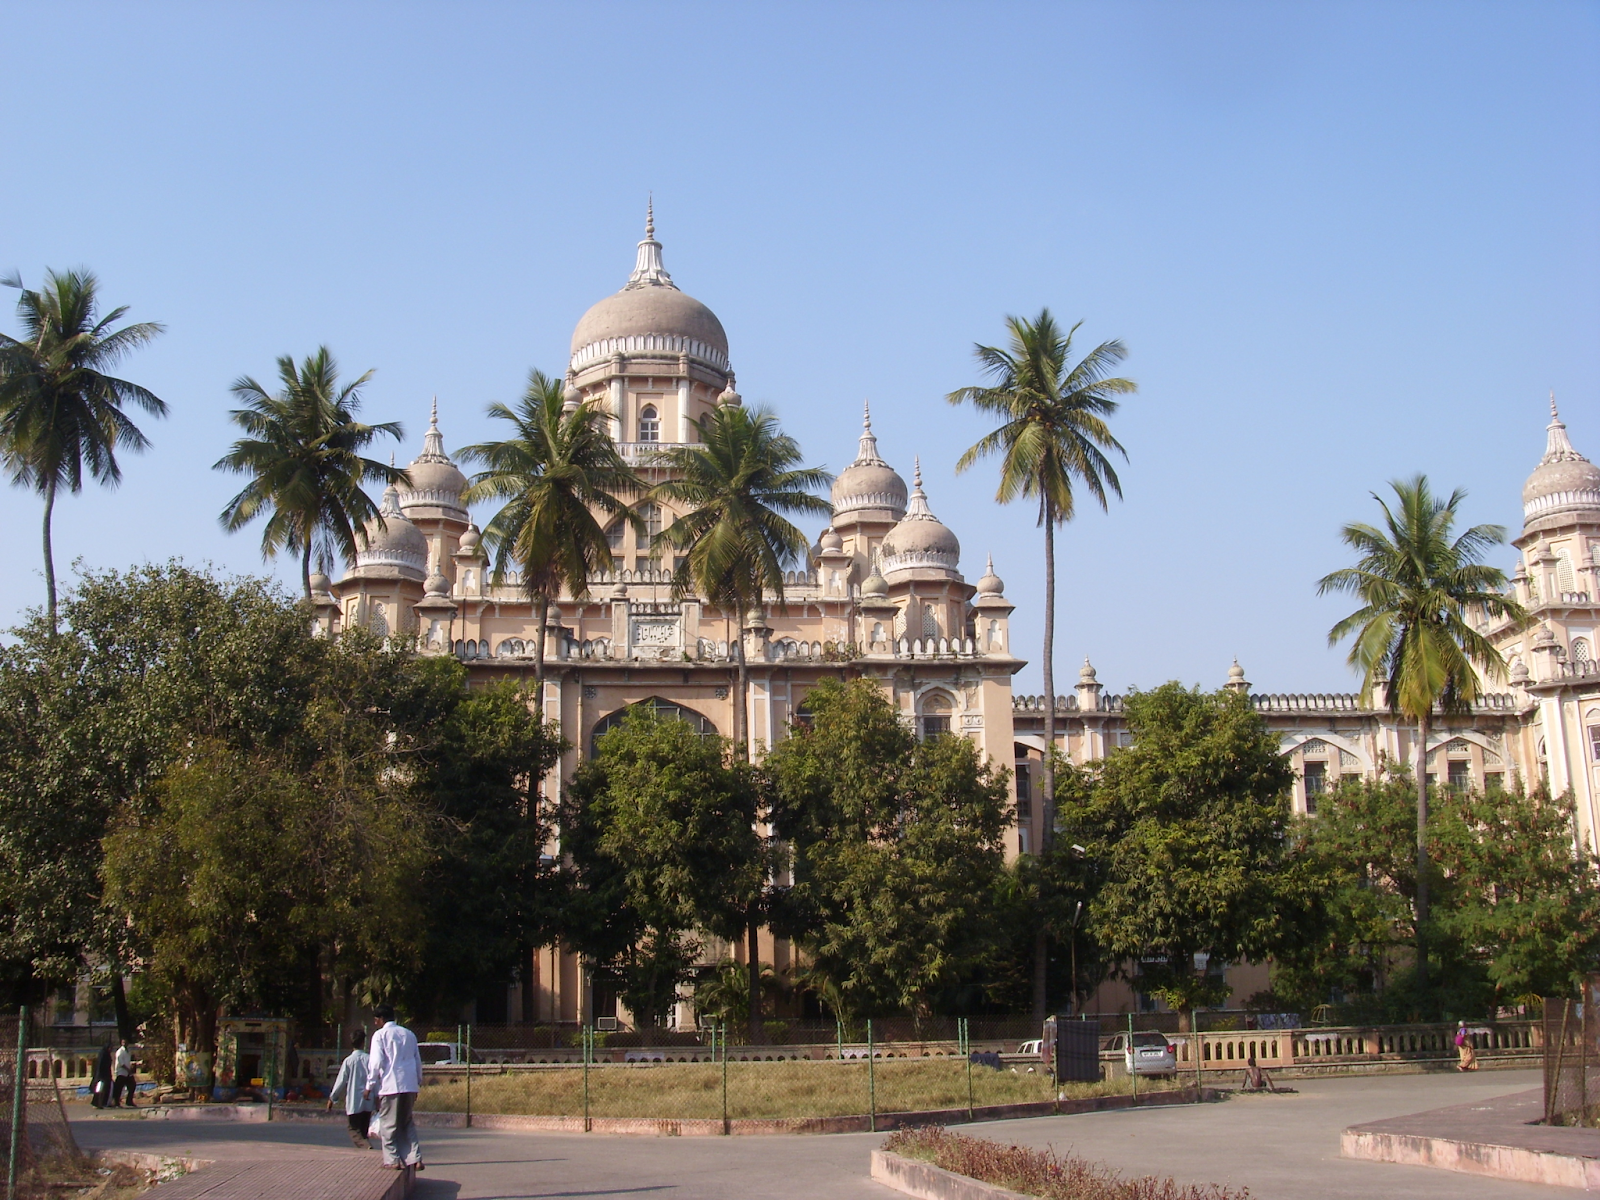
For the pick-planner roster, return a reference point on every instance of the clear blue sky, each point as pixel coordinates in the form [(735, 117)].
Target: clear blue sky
[(1343, 242)]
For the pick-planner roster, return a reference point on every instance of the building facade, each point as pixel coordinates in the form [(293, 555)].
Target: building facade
[(883, 597)]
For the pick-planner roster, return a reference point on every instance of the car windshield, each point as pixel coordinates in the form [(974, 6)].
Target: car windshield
[(1150, 1039)]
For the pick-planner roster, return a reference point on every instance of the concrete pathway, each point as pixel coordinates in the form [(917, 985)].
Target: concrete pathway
[(1281, 1147)]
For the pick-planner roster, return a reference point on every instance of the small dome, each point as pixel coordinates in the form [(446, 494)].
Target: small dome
[(1236, 673), (397, 542), (436, 482), (920, 540), (875, 584), (830, 542), (729, 398), (1086, 673), (869, 482), (437, 585), (991, 584), (1564, 480), (649, 316), (320, 583), (470, 541), (1519, 674)]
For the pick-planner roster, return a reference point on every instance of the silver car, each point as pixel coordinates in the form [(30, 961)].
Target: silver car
[(1144, 1052)]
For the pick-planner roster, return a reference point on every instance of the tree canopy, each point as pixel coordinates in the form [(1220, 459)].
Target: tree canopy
[(896, 851)]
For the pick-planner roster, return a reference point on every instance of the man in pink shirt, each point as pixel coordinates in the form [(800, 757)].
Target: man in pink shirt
[(394, 1076)]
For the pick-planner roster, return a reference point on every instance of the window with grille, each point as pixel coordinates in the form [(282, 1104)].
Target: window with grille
[(1564, 581), (1494, 782), (649, 424), (614, 535), (1579, 650), (1024, 792), (1316, 778), (1459, 774), (1594, 742), (935, 716)]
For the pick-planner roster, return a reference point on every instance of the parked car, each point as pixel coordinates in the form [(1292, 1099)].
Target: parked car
[(1031, 1049), (1144, 1052), (441, 1054)]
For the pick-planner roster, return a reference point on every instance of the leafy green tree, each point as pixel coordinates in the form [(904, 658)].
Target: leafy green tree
[(659, 825), (1189, 830), (92, 714), (302, 450), (896, 852), (60, 414), (491, 893), (736, 490), (1416, 584), (1523, 894), (1360, 841), (558, 471), (1052, 436)]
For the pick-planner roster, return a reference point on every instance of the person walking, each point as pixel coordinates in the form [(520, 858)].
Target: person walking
[(1467, 1057), (351, 1087), (124, 1082), (100, 1081), (394, 1076)]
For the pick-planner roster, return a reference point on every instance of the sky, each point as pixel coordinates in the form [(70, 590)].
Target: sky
[(1343, 243)]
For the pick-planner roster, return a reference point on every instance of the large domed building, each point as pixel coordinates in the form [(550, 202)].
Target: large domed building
[(883, 596)]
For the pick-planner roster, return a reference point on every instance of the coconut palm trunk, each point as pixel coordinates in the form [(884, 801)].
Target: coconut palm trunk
[(1422, 851), (541, 610), (49, 556), (305, 567), (1041, 941)]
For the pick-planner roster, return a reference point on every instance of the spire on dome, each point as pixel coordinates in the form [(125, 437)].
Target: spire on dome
[(917, 509), (1557, 447), (391, 502), (433, 440), (868, 456), (647, 269)]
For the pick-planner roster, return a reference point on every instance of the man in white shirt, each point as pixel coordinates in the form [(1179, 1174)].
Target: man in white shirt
[(124, 1082), (394, 1076), (351, 1087)]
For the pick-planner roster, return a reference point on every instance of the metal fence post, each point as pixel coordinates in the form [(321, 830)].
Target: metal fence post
[(1133, 1061), (17, 1101), (966, 1046), (723, 1025), (271, 1070), (1199, 1048), (468, 1056), (587, 1039), (838, 1031), (872, 1084)]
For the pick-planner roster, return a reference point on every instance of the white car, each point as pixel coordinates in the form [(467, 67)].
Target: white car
[(1144, 1052), (1034, 1048)]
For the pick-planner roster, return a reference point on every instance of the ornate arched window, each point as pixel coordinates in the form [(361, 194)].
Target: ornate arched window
[(936, 710), (663, 710), (1579, 651), (649, 424), (614, 535)]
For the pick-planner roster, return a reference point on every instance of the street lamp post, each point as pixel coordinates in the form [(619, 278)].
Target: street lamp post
[(1201, 958), (1076, 913)]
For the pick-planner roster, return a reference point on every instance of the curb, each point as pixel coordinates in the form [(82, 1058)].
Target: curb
[(928, 1182), (761, 1127), (1523, 1164)]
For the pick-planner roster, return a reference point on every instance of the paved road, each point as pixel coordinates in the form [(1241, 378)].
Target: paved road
[(1281, 1147)]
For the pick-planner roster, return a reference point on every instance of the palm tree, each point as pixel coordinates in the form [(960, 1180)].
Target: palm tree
[(59, 413), (734, 490), (1052, 433), (303, 449), (556, 472), (1415, 586)]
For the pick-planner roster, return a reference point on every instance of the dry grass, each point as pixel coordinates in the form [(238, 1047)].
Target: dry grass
[(761, 1090), (78, 1177), (1044, 1173)]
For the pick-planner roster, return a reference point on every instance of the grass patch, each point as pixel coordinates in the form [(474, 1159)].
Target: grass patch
[(1044, 1173), (754, 1089)]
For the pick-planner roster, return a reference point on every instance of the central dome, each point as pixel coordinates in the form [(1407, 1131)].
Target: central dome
[(650, 316)]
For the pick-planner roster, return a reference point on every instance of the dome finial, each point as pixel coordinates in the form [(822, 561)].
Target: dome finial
[(868, 455), (648, 270), (433, 416), (1554, 415), (1558, 447)]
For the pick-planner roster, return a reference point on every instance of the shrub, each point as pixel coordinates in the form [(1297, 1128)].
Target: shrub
[(1044, 1173)]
